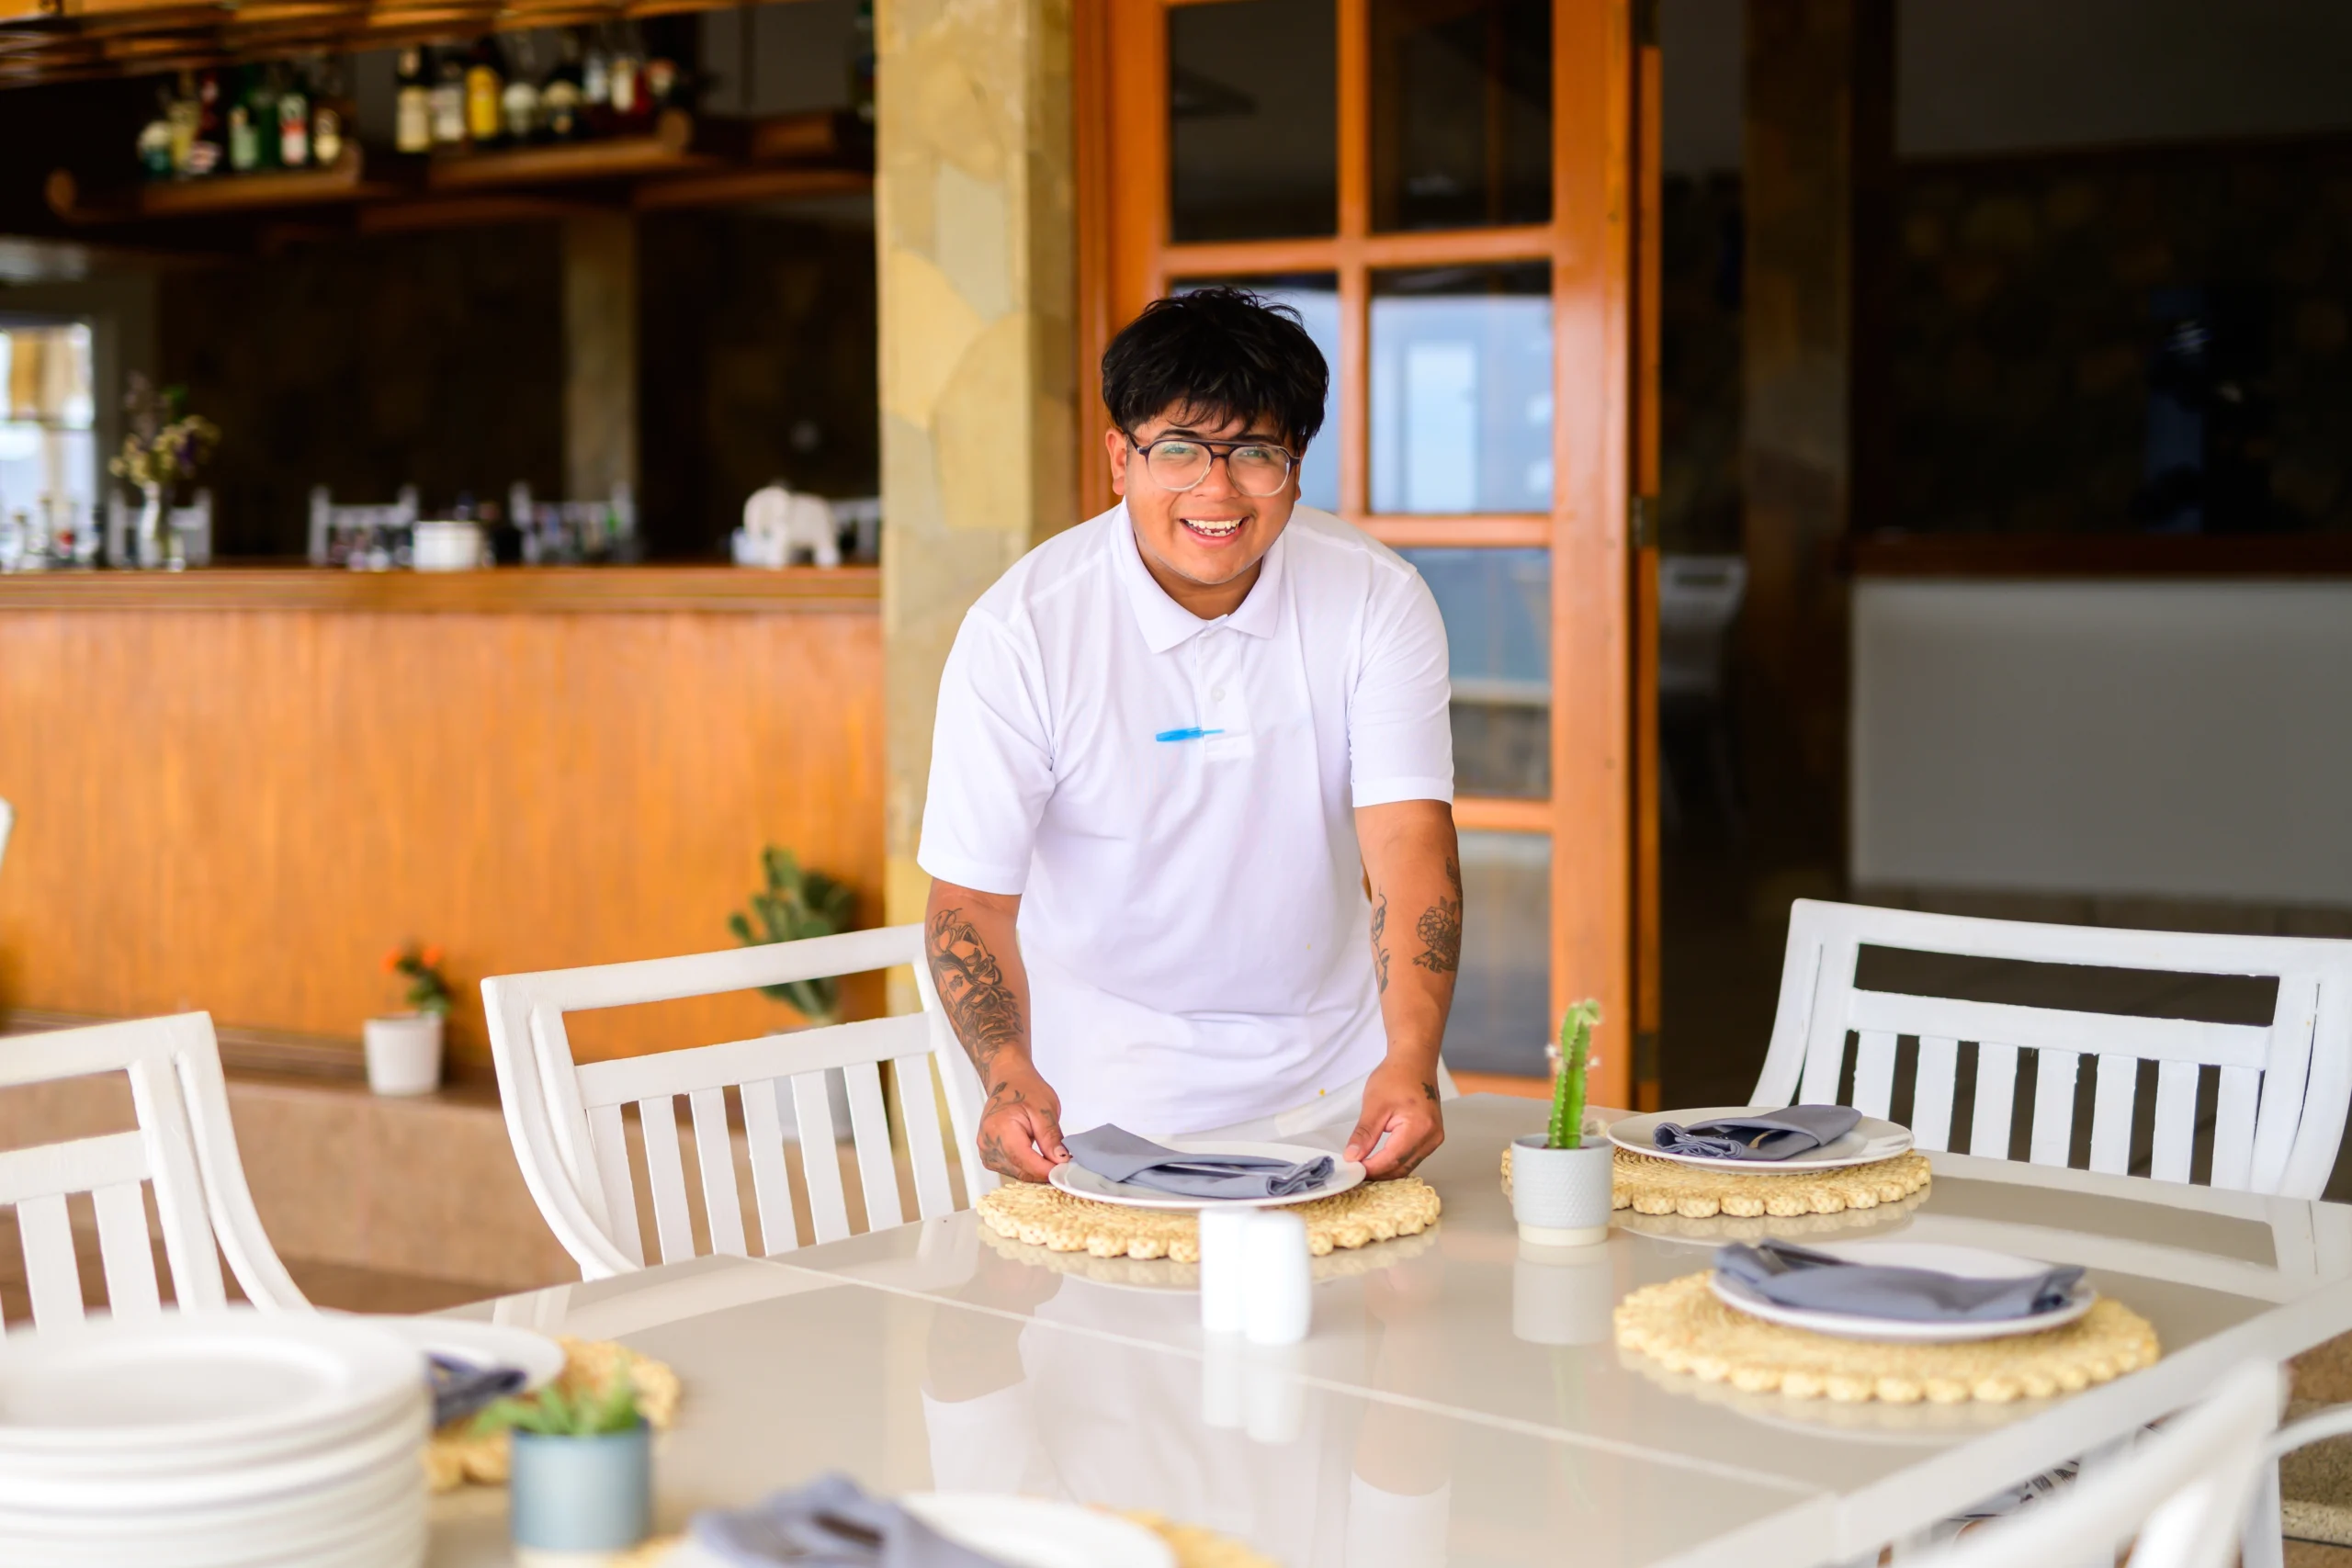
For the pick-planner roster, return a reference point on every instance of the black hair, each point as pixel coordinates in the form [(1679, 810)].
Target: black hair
[(1217, 353)]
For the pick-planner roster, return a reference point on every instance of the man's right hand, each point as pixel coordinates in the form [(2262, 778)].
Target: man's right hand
[(1021, 1130)]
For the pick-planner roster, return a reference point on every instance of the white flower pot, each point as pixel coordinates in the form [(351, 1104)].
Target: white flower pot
[(1560, 1197), (404, 1053)]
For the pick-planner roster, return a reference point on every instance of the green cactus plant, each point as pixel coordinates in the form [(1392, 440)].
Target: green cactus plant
[(1574, 1059), (797, 903)]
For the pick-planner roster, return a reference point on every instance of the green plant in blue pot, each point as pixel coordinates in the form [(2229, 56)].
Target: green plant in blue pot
[(581, 1469)]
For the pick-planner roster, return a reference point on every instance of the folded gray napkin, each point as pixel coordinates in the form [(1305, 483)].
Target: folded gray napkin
[(1116, 1155), (460, 1388), (1764, 1134), (830, 1523), (1798, 1277)]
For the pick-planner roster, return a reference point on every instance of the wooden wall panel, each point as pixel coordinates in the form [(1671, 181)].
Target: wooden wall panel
[(242, 810)]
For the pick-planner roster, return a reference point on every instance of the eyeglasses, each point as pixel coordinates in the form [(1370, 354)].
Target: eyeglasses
[(1180, 462)]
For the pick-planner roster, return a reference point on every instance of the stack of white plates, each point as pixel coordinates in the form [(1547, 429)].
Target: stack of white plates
[(211, 1440)]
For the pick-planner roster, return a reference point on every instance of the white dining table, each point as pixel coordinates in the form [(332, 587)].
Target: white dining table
[(1459, 1400)]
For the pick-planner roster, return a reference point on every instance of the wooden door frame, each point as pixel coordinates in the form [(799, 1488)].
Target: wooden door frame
[(1600, 818)]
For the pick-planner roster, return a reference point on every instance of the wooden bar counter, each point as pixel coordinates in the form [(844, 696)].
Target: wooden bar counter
[(236, 789)]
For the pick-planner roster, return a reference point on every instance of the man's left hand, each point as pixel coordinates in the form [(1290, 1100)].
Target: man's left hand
[(1399, 1101)]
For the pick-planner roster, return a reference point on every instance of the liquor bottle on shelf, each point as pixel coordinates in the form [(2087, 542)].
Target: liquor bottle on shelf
[(293, 121), (564, 100), (181, 113), (628, 88), (155, 140), (259, 94), (519, 99), (665, 85), (448, 98), (485, 84), (861, 62), (330, 110), (244, 137), (411, 104), (596, 86), (205, 152)]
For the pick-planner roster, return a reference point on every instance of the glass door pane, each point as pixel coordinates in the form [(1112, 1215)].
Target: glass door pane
[(1460, 113), (1462, 390), (1253, 118), (1502, 1000), (1497, 610)]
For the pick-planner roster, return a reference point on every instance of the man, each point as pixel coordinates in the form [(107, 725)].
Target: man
[(1190, 822)]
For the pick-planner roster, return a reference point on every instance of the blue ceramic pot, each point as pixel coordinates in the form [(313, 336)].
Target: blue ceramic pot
[(582, 1493)]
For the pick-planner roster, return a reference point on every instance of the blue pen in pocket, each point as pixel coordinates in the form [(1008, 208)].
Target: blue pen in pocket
[(1194, 733)]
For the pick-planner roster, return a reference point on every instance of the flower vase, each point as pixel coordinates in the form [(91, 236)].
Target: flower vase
[(149, 551), (404, 1053)]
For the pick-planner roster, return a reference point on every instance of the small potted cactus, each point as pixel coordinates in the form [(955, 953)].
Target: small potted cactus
[(580, 1472), (1559, 1183)]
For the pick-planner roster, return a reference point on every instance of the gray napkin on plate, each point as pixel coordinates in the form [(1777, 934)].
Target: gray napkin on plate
[(1764, 1134), (830, 1523), (1798, 1277), (1116, 1155), (461, 1388)]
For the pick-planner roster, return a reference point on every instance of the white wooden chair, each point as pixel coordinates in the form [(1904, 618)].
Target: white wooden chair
[(565, 1117), (2283, 1086), (184, 1148), (2179, 1497)]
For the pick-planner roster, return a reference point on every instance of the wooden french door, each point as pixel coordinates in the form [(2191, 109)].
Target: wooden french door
[(1458, 197)]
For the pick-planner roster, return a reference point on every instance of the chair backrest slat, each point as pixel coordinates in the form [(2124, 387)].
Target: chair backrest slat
[(46, 1233), (184, 1146), (609, 1140), (919, 1108), (878, 1172), (2175, 1134), (2285, 1084), (771, 1185), (665, 1174), (565, 1117), (2114, 1092), (820, 1167), (1874, 1073), (125, 1252), (1937, 1082), (715, 1155), (2053, 1106)]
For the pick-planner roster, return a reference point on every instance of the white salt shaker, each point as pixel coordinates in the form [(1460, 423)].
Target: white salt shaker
[(1280, 1281), (1223, 1270)]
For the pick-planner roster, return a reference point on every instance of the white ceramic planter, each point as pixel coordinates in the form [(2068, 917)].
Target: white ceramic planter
[(404, 1053), (1560, 1197)]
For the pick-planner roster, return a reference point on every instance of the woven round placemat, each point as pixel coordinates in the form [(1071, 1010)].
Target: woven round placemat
[(1682, 1325), (457, 1454), (1193, 1547), (1053, 1219), (1847, 1224), (1167, 1274), (1650, 1186)]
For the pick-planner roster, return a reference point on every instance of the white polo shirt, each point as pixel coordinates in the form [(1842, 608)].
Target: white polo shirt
[(1193, 912)]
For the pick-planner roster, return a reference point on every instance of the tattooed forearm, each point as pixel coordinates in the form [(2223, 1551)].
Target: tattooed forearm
[(1440, 927), (1380, 954), (981, 1005)]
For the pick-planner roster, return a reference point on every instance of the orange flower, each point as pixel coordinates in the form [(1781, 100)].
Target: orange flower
[(392, 961), (431, 958)]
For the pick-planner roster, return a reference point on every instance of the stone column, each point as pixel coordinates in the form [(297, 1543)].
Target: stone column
[(1819, 165), (599, 355), (975, 235)]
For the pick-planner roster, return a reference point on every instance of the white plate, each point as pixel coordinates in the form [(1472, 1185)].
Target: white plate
[(195, 1386), (1032, 1532), (1081, 1182), (481, 1344), (1968, 1262), (1873, 1139)]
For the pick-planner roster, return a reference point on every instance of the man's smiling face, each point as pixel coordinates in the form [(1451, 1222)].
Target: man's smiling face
[(1212, 535)]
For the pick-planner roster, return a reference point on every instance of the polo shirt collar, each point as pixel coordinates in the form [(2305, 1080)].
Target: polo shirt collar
[(1165, 623)]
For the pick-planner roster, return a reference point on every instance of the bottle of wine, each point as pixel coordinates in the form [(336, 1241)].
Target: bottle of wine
[(448, 98), (596, 86), (261, 110), (244, 137), (293, 121), (563, 101), (629, 111), (412, 104), (330, 111), (205, 151), (155, 140), (519, 100), (485, 84), (181, 113)]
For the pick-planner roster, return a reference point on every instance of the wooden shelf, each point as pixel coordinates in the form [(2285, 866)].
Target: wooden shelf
[(683, 162), (609, 589)]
